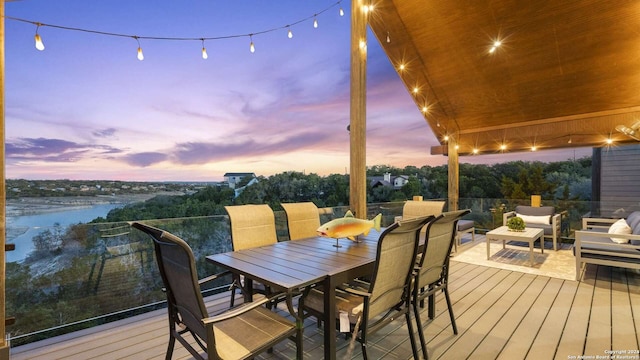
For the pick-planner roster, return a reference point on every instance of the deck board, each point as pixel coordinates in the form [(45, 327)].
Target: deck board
[(501, 314)]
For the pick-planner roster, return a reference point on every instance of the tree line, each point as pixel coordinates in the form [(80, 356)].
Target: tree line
[(564, 180)]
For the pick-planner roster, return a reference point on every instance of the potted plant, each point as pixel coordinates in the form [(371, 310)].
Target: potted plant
[(516, 224)]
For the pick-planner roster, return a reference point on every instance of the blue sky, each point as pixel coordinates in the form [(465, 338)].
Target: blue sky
[(87, 108)]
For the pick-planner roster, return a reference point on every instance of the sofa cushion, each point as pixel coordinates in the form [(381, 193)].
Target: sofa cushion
[(535, 219), (597, 247), (535, 210), (633, 219), (465, 225), (620, 227)]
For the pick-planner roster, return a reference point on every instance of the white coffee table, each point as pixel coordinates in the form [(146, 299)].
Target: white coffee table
[(529, 235)]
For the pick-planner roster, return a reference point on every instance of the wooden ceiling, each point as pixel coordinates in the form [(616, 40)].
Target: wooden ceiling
[(566, 74)]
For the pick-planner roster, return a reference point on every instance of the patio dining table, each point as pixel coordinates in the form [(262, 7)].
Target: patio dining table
[(292, 265)]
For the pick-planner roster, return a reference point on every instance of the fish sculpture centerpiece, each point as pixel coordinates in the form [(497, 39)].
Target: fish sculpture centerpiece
[(348, 227)]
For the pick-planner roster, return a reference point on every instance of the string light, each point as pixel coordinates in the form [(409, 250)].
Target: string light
[(496, 44), (402, 67), (204, 51), (503, 147), (39, 43), (474, 151), (40, 46), (425, 109), (252, 47), (388, 38), (534, 148), (569, 141), (140, 54), (415, 90), (609, 141), (446, 138)]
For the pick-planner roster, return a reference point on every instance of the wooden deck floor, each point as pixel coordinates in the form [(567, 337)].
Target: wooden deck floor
[(500, 314)]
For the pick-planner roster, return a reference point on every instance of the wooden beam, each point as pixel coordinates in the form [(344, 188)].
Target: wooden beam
[(358, 113), (4, 347)]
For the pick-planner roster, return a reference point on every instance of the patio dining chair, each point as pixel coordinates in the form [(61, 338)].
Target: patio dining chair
[(251, 226), (303, 219), (239, 333), (433, 268), (372, 305)]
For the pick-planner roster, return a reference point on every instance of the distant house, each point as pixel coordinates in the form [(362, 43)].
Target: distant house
[(387, 180), (233, 179)]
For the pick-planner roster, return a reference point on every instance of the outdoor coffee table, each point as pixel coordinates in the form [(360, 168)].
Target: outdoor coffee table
[(529, 235)]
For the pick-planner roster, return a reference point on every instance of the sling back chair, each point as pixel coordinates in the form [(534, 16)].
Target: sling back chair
[(432, 272), (251, 226), (238, 333), (303, 219), (372, 305)]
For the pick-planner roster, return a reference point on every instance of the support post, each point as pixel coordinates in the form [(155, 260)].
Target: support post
[(358, 114), (454, 174)]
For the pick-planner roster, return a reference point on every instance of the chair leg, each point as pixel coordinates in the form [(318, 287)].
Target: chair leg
[(453, 319), (172, 342), (363, 345), (412, 337), (423, 343)]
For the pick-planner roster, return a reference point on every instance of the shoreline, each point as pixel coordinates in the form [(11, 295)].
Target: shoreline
[(40, 205), (29, 206)]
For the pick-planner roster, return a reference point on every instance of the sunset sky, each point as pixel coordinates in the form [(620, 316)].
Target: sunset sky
[(87, 108)]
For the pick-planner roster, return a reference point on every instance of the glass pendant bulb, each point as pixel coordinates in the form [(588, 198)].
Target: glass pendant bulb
[(290, 34), (315, 22), (204, 51), (388, 37), (39, 44), (341, 12), (252, 48), (140, 54)]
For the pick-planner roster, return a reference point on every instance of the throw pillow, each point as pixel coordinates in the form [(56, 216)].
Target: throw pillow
[(532, 219), (620, 227)]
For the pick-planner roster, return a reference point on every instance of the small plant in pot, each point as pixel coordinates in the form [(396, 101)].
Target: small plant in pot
[(516, 224)]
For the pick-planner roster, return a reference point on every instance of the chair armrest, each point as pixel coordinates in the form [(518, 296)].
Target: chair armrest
[(213, 277), (245, 307), (602, 223), (506, 216), (357, 292)]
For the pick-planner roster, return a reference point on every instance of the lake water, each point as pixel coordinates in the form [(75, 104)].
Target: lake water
[(41, 222)]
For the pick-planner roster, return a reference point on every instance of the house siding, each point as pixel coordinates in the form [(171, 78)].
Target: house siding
[(620, 180)]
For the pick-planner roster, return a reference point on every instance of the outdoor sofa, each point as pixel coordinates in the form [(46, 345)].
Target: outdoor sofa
[(611, 242), (540, 217)]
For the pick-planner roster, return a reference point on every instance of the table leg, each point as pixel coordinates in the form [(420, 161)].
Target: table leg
[(329, 318), (531, 252), (488, 248), (542, 243)]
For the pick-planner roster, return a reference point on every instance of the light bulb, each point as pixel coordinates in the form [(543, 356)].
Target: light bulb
[(315, 22), (388, 38), (503, 147), (252, 48), (415, 90), (402, 66), (609, 141), (475, 151), (341, 12), (425, 109), (290, 34), (534, 148), (140, 54), (446, 138), (39, 44), (204, 54)]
